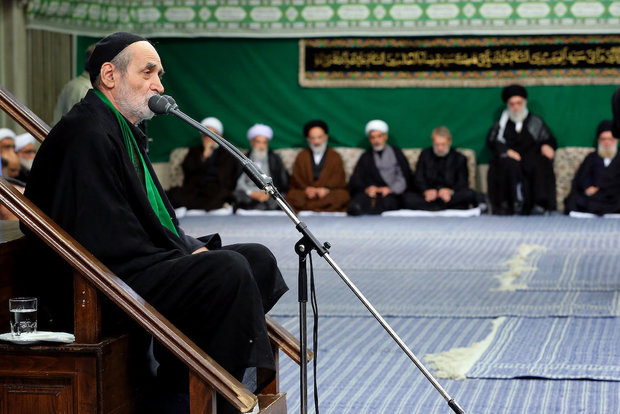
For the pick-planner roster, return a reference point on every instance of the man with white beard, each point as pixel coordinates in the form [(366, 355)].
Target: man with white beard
[(93, 177), (441, 176), (381, 180), (318, 181), (521, 178), (596, 186), (247, 195)]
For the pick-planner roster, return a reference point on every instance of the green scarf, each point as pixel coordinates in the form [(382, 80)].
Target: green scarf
[(132, 148)]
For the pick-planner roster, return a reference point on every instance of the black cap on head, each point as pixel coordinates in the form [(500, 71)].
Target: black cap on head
[(513, 90), (603, 126), (107, 49), (315, 123)]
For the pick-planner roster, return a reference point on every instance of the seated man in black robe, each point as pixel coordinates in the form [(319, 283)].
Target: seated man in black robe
[(441, 176), (247, 194), (93, 177), (381, 179), (521, 178), (596, 185), (209, 174)]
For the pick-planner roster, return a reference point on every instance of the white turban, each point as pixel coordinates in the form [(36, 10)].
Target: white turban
[(213, 123), (260, 129), (376, 125), (22, 140), (6, 133)]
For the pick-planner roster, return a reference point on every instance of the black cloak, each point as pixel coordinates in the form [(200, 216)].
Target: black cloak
[(592, 172), (433, 172), (83, 179), (516, 187), (366, 174)]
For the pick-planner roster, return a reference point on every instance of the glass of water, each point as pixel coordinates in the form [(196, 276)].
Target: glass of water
[(23, 315)]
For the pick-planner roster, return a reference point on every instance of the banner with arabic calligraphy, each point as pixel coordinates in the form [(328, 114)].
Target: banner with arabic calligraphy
[(327, 18), (460, 62)]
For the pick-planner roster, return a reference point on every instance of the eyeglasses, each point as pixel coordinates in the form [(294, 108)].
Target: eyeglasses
[(27, 151), (7, 146)]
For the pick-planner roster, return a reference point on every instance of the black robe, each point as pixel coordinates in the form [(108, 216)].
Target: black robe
[(517, 186), (83, 179), (207, 184), (433, 172), (366, 174), (592, 172)]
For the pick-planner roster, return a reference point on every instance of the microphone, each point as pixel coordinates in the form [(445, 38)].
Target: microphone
[(162, 104)]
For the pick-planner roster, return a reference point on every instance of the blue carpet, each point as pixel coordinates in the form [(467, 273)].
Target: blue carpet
[(443, 294), (361, 371), (557, 348), (575, 269), (435, 281), (442, 267)]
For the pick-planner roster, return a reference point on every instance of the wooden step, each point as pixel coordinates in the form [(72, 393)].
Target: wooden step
[(272, 403)]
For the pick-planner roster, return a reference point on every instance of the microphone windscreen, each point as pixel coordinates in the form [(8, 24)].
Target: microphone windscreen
[(160, 104)]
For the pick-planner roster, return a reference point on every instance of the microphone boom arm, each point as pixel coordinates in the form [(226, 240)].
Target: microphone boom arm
[(265, 183)]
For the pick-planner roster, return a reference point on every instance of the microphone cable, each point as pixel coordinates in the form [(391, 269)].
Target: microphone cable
[(315, 333)]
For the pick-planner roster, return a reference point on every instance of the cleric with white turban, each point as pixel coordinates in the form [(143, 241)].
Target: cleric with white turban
[(380, 180), (377, 125), (26, 149), (247, 194), (260, 130), (213, 124)]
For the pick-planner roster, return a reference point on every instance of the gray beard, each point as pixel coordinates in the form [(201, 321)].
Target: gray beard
[(441, 154), (133, 106), (519, 116), (27, 164), (378, 147), (607, 153), (320, 149), (260, 157)]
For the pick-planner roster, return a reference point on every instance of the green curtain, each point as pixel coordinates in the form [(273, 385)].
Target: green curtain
[(247, 81)]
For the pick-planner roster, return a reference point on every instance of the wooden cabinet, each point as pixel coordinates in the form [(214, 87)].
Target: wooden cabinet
[(84, 379)]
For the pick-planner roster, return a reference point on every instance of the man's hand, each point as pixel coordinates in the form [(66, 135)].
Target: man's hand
[(311, 192), (591, 190), (371, 191), (322, 192), (430, 195), (513, 154), (547, 151), (259, 196), (202, 249), (384, 191), (445, 194)]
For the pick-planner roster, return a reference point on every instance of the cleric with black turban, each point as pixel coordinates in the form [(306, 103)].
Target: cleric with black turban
[(521, 178)]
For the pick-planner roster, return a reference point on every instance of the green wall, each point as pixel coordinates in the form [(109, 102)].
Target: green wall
[(245, 81)]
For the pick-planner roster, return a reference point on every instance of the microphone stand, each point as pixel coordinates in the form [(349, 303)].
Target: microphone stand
[(303, 247)]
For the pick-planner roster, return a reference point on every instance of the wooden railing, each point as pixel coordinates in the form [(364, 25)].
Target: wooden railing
[(23, 115)]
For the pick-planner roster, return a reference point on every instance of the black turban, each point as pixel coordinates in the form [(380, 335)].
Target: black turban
[(315, 123), (513, 90), (107, 49), (615, 108), (603, 126)]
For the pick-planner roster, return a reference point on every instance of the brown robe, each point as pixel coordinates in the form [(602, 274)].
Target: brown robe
[(332, 176)]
